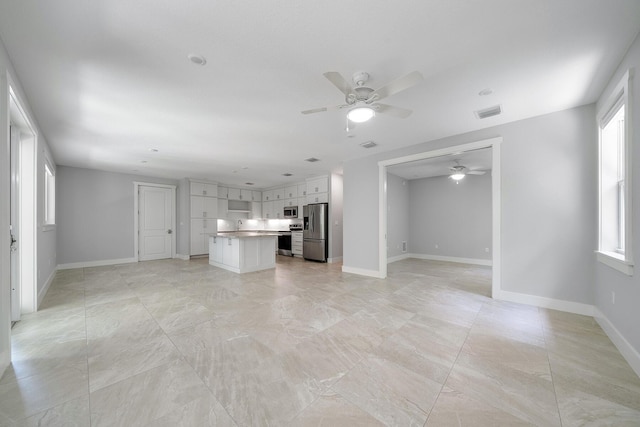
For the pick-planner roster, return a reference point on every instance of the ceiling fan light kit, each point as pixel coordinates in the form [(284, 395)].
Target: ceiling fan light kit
[(361, 114), (362, 101)]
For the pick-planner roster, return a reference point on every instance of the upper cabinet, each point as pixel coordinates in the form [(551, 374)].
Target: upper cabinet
[(223, 192), (291, 192), (318, 185), (278, 194), (204, 189)]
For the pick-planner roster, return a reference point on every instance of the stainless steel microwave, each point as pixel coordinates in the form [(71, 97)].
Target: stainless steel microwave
[(291, 212)]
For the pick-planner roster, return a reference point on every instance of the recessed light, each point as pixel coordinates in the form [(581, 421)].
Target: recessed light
[(245, 167), (153, 150), (249, 183), (143, 161), (311, 160), (287, 174), (485, 92), (351, 136), (197, 59)]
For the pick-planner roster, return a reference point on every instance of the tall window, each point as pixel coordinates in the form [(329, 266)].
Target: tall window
[(614, 179), (49, 195)]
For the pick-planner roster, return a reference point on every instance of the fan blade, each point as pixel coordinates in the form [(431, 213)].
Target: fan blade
[(401, 113), (338, 81), (476, 172), (397, 85)]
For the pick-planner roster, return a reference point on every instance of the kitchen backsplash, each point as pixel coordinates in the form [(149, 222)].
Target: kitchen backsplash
[(257, 224)]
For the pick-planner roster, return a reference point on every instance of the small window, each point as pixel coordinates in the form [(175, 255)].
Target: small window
[(49, 195), (614, 182)]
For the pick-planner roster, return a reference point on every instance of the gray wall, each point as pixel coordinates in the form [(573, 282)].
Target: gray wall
[(548, 204), (335, 217), (95, 214), (455, 217), (624, 314), (398, 214)]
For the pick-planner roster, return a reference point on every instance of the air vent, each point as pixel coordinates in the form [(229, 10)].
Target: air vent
[(249, 183), (311, 160), (489, 112), (368, 144), (287, 174)]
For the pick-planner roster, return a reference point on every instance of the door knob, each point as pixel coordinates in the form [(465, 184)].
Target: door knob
[(169, 231)]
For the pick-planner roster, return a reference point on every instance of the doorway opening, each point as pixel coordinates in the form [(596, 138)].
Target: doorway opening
[(494, 145), (23, 211)]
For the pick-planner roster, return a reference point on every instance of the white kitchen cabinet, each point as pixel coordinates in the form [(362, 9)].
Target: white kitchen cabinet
[(302, 190), (291, 202), (223, 192), (317, 185), (318, 198), (256, 210), (233, 194), (231, 252), (296, 243), (204, 207), (291, 192), (267, 196), (256, 196), (200, 229), (203, 189), (223, 208), (215, 249), (278, 193), (278, 209), (267, 210), (246, 194)]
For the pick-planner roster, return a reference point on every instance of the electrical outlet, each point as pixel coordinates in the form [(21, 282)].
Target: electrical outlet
[(486, 250)]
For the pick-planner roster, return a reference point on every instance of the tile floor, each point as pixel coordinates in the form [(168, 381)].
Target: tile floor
[(180, 343)]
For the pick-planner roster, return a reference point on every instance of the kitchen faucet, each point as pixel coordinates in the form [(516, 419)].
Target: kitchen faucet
[(239, 224)]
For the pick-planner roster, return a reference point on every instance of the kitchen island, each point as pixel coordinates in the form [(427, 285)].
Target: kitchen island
[(243, 251)]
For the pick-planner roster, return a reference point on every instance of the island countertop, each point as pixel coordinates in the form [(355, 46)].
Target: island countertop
[(244, 234)]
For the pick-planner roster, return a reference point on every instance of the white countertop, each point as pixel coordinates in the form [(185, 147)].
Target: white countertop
[(245, 234)]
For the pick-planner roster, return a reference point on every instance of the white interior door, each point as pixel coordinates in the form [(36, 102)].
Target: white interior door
[(13, 226), (155, 222)]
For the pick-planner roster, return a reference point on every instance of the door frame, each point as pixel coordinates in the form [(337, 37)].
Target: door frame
[(28, 206), (494, 144), (136, 212)]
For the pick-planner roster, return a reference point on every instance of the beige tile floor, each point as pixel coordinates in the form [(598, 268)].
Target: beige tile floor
[(181, 343)]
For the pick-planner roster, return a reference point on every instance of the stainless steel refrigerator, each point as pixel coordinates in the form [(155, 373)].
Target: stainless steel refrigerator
[(315, 235)]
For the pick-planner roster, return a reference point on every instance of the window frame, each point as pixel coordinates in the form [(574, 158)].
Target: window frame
[(49, 196), (621, 260)]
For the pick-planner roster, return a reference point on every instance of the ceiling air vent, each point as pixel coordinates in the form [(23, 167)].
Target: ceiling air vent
[(311, 160), (488, 112), (287, 174), (249, 183), (368, 144)]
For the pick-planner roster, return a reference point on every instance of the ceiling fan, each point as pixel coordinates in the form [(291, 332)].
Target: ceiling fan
[(362, 101), (459, 171)]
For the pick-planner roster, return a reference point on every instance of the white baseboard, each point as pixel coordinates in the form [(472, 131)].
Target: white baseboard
[(334, 259), (96, 263), (474, 261), (544, 302), (630, 354), (361, 271), (45, 288), (183, 257), (398, 258)]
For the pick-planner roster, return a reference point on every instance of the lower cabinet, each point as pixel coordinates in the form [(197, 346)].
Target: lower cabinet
[(200, 229), (296, 243), (243, 255)]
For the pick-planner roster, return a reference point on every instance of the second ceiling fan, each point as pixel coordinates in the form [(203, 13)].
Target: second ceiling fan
[(362, 101)]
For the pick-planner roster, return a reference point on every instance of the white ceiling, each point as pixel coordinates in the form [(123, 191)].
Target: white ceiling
[(109, 80)]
